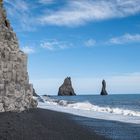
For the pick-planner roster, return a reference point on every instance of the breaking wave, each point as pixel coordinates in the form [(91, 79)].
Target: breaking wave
[(90, 107)]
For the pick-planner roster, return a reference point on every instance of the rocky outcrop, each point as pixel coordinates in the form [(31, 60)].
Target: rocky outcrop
[(66, 88), (34, 93), (103, 91), (16, 94)]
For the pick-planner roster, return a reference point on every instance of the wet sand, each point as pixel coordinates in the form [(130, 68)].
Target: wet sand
[(42, 124)]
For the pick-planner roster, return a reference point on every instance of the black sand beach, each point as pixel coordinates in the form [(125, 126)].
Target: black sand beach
[(40, 124)]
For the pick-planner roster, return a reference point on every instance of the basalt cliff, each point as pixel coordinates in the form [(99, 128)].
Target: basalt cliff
[(16, 94)]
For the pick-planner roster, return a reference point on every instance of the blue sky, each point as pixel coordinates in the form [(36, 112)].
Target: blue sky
[(89, 40)]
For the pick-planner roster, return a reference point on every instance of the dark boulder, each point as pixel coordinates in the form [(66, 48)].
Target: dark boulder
[(66, 88), (103, 91)]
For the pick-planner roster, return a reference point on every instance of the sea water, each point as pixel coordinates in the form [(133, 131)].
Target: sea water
[(118, 106), (124, 110)]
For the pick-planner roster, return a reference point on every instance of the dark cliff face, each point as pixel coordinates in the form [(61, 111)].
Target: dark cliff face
[(66, 88), (103, 91), (16, 93)]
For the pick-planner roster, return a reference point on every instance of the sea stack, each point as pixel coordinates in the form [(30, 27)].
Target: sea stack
[(16, 94), (66, 88), (103, 91)]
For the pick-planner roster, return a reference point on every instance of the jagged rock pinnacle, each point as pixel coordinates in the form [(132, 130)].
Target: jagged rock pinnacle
[(103, 91), (66, 88)]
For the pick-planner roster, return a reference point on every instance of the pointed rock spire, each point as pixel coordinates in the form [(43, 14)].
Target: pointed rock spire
[(66, 88), (103, 91)]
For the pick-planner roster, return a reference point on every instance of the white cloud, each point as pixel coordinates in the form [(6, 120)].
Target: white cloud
[(28, 50), (18, 5), (72, 13), (90, 43), (53, 45), (78, 12), (21, 12), (126, 38)]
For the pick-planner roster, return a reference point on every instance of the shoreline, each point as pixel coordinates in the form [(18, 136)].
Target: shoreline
[(110, 125), (43, 124)]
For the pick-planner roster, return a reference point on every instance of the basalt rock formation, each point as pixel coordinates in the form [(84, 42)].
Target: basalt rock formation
[(66, 88), (35, 94), (103, 91), (16, 94)]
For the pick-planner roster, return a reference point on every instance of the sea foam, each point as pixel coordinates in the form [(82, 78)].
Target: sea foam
[(86, 109), (90, 107)]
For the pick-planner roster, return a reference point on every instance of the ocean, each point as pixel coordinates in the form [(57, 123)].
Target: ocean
[(114, 116)]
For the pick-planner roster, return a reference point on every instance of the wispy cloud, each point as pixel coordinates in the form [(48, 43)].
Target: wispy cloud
[(72, 13), (20, 11), (126, 38), (19, 5), (119, 40), (90, 43), (53, 45), (28, 50), (46, 1), (78, 12)]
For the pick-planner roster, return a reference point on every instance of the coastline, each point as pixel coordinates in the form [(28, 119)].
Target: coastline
[(119, 125), (42, 124)]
